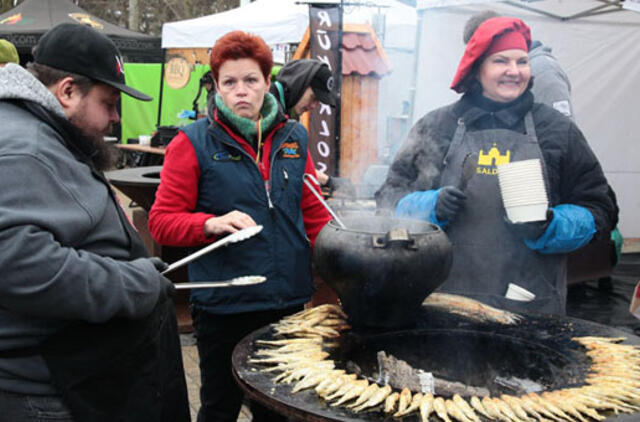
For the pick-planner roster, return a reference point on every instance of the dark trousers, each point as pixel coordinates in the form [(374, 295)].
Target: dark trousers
[(217, 335), (28, 408)]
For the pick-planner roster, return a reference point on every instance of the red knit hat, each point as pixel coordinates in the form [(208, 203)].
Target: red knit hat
[(494, 35)]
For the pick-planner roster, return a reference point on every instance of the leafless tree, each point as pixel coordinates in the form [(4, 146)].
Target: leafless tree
[(153, 13), (6, 5)]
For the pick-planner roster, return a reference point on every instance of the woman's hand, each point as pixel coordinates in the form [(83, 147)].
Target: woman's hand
[(228, 223), (322, 177), (450, 201)]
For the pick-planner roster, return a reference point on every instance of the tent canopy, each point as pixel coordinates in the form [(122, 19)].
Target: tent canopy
[(555, 9), (26, 23), (278, 22)]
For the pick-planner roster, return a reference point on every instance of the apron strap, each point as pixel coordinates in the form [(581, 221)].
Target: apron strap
[(530, 127)]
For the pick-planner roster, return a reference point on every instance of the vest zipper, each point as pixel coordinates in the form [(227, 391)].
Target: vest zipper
[(273, 154)]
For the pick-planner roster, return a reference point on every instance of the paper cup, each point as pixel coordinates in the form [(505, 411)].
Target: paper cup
[(527, 213), (515, 292), (144, 140), (519, 199), (523, 191)]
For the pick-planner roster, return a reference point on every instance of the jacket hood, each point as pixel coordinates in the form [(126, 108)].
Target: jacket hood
[(16, 83), (295, 78), (539, 49)]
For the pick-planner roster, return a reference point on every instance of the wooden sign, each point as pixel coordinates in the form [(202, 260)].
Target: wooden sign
[(177, 72)]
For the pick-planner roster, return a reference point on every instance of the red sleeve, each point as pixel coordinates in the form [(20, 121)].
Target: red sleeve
[(172, 221), (314, 214)]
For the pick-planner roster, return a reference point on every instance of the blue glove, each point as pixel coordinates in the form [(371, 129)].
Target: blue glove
[(187, 114), (450, 202), (572, 227), (420, 205)]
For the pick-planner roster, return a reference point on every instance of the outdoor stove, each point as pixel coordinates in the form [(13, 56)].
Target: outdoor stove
[(536, 353)]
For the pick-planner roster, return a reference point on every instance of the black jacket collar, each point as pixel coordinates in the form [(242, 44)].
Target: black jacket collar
[(474, 107)]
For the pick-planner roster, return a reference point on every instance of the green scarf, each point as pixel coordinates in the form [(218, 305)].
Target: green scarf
[(247, 127)]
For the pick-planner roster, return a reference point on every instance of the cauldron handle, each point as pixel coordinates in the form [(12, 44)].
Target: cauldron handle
[(398, 236)]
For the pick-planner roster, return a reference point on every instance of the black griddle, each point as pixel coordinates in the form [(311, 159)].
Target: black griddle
[(539, 349)]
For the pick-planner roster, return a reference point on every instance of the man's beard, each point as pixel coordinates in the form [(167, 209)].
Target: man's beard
[(101, 154)]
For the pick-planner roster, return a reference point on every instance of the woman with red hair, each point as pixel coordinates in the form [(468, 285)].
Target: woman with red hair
[(241, 166), (497, 120)]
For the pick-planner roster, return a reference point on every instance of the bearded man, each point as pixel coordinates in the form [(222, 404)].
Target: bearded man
[(87, 327)]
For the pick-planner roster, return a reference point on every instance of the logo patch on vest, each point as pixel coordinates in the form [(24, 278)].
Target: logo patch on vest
[(290, 150), (226, 156), (488, 163)]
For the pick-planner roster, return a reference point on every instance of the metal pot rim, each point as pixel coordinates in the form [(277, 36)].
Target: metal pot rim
[(428, 228)]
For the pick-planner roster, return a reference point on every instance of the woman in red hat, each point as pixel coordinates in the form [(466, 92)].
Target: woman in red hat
[(497, 121)]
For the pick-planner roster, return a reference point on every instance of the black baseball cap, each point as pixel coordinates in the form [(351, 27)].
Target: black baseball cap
[(322, 85), (82, 50)]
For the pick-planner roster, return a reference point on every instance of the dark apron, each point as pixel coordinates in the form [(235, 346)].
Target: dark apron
[(124, 369), (487, 256)]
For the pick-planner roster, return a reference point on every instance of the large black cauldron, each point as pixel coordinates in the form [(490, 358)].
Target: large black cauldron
[(382, 268)]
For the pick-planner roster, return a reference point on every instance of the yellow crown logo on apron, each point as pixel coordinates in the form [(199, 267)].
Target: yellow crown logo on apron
[(493, 157)]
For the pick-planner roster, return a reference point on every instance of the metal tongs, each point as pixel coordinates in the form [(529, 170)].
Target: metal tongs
[(238, 281), (305, 178), (238, 236)]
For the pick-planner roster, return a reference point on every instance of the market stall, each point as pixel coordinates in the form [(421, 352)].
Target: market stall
[(27, 22)]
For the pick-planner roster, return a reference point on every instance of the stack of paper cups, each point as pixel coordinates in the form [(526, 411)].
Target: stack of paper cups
[(523, 191)]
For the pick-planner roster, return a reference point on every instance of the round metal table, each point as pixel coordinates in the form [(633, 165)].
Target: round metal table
[(138, 183), (544, 341)]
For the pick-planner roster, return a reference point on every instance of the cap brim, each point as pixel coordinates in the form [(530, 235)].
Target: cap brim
[(128, 90), (324, 97)]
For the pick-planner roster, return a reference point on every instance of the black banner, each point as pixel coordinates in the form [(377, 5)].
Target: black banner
[(324, 132)]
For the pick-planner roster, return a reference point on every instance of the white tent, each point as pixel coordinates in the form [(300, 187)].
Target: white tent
[(276, 21), (281, 22), (601, 55)]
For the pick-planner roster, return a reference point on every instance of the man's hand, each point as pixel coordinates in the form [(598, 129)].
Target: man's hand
[(167, 289), (450, 202), (228, 223), (159, 264)]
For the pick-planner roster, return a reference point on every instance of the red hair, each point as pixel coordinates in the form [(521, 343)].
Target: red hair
[(237, 45)]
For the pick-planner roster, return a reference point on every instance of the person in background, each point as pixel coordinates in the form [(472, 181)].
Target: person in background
[(301, 85), (209, 85), (243, 167), (88, 330), (8, 53), (551, 84), (497, 118)]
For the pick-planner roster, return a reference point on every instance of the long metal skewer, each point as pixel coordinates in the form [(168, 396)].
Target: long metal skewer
[(306, 178)]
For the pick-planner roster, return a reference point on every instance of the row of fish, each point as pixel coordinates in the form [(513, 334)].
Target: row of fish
[(326, 321), (301, 358)]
